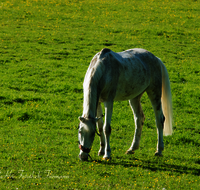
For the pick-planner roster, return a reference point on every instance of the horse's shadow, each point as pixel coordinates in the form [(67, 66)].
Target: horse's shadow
[(157, 164)]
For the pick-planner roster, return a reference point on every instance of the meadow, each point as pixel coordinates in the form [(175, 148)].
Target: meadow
[(45, 49)]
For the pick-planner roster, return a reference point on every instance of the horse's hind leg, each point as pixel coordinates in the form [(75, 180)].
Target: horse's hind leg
[(100, 128), (139, 121), (155, 97)]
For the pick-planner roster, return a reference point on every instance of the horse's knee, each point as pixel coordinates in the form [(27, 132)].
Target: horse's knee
[(140, 119), (100, 125), (107, 130), (100, 129)]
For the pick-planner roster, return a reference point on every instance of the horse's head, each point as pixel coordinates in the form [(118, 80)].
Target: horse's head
[(86, 133)]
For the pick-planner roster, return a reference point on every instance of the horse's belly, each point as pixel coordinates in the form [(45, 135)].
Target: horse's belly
[(127, 94), (131, 88)]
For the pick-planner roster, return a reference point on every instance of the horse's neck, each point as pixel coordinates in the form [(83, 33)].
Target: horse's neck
[(90, 86), (90, 103)]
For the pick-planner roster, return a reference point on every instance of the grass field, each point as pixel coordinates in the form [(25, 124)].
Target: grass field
[(45, 49)]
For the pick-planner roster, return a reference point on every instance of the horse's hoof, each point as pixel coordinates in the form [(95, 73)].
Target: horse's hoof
[(106, 158), (130, 152), (158, 154)]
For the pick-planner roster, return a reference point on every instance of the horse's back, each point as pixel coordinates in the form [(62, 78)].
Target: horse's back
[(126, 74), (135, 73)]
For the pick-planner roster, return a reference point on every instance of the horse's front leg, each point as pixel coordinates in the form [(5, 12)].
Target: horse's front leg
[(107, 129), (100, 128)]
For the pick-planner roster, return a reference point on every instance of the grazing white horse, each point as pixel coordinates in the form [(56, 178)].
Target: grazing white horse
[(123, 76)]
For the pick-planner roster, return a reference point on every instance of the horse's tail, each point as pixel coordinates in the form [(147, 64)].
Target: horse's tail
[(166, 101)]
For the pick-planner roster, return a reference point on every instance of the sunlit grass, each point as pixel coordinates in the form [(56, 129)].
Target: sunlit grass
[(45, 49)]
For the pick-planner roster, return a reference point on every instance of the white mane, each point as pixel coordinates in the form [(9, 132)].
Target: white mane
[(90, 85)]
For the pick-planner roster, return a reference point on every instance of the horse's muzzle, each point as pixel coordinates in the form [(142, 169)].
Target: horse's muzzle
[(83, 156), (84, 153)]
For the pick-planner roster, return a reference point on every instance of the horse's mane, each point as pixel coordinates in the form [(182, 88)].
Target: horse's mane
[(91, 84)]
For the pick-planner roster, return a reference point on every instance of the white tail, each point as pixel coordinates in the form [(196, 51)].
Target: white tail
[(166, 102)]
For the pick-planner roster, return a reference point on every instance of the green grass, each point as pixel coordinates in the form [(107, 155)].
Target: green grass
[(45, 49)]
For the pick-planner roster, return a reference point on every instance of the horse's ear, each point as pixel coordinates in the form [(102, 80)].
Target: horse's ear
[(82, 119)]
